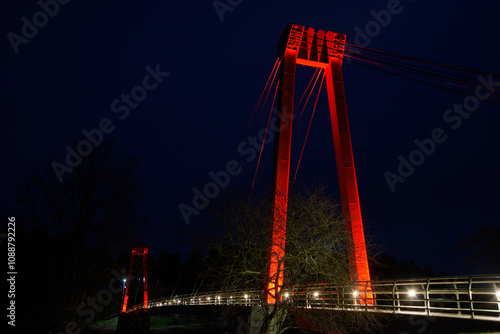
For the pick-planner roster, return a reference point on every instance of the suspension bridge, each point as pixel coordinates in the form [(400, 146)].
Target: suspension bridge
[(470, 297)]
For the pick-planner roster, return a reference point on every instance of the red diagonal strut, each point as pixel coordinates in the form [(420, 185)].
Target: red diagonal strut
[(287, 81)]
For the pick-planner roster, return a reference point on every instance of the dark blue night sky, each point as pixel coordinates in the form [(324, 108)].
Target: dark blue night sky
[(71, 74)]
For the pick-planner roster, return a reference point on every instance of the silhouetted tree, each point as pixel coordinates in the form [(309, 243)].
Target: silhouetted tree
[(79, 224), (163, 274), (316, 253), (386, 267), (483, 248)]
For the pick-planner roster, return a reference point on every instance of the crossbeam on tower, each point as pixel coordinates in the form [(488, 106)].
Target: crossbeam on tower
[(323, 50)]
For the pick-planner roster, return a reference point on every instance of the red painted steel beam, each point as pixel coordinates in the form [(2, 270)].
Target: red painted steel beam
[(286, 90), (325, 50), (129, 278), (145, 267), (358, 261), (137, 251)]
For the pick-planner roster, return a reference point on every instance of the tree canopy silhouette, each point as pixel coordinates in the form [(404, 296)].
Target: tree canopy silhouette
[(76, 227), (483, 248), (316, 253)]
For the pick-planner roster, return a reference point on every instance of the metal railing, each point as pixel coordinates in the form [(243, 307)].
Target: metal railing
[(472, 297), (236, 298)]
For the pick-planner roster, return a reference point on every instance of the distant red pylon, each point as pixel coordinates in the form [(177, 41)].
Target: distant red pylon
[(140, 251)]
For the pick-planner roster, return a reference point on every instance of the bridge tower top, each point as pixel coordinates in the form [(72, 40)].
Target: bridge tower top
[(313, 48), (140, 250)]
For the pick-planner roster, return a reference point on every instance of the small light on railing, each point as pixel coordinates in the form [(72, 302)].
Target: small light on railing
[(218, 297), (355, 293), (316, 294), (286, 294), (412, 293), (246, 296), (208, 298), (498, 293)]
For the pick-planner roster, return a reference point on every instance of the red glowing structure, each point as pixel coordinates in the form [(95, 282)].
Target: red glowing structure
[(323, 50), (137, 251)]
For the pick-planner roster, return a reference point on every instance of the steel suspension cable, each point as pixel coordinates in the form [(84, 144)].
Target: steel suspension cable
[(178, 280), (471, 85), (317, 75), (263, 105), (463, 69), (417, 80), (309, 128), (408, 64), (264, 140), (422, 75), (260, 98), (265, 167), (392, 54), (310, 92), (267, 95), (305, 91), (272, 74)]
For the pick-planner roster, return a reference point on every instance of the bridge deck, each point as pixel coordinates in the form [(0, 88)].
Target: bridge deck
[(469, 297)]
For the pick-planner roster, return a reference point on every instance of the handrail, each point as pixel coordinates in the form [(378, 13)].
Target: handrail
[(472, 297)]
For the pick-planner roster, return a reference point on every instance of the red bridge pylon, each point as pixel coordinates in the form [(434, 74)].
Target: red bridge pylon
[(323, 50), (142, 274)]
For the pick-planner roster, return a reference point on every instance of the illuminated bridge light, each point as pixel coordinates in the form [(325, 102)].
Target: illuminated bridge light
[(355, 293), (412, 293), (316, 294), (498, 294), (246, 296), (286, 294)]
